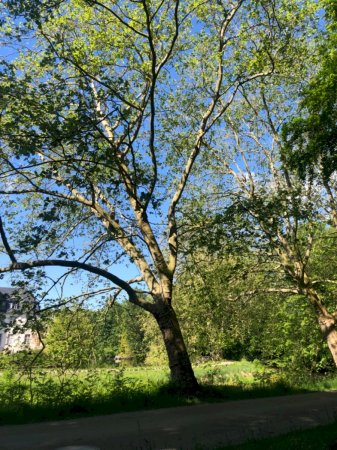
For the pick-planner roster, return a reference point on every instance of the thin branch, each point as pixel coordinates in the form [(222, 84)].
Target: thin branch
[(6, 243), (313, 283), (133, 298), (154, 75), (113, 13), (72, 299), (264, 291), (88, 74)]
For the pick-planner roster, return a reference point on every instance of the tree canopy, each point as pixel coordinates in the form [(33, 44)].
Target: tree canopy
[(310, 139), (109, 111)]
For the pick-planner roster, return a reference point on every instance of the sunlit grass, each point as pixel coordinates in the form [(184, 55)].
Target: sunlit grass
[(54, 394), (229, 372)]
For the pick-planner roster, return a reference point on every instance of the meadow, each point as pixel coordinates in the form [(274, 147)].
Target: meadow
[(53, 394)]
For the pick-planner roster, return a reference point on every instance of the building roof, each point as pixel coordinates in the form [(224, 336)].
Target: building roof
[(13, 296), (7, 290)]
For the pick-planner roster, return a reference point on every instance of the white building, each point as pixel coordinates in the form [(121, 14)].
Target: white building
[(14, 335)]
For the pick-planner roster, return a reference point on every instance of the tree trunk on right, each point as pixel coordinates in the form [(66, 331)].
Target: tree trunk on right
[(328, 327)]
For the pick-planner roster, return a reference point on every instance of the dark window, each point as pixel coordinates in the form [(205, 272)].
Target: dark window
[(4, 303)]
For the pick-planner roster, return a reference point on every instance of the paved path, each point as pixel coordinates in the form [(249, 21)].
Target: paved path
[(181, 428)]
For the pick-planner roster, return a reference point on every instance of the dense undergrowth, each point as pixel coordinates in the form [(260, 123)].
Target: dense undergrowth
[(30, 395)]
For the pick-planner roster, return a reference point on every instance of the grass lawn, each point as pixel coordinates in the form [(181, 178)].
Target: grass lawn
[(54, 395), (320, 438)]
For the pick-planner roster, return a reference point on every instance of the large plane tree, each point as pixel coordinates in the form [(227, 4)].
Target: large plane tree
[(105, 107)]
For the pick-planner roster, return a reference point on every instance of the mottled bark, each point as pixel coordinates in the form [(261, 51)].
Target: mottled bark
[(326, 321), (179, 362), (328, 328)]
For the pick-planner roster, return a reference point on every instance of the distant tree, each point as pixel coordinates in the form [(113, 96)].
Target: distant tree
[(121, 332), (71, 339)]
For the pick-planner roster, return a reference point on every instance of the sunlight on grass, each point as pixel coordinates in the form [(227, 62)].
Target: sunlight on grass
[(51, 394)]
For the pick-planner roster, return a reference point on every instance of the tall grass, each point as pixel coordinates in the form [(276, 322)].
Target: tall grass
[(49, 394)]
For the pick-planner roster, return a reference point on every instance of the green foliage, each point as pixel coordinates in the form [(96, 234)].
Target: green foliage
[(43, 395), (227, 312), (47, 396), (290, 338), (120, 332), (211, 323), (81, 338), (71, 339), (310, 140), (153, 345), (104, 110)]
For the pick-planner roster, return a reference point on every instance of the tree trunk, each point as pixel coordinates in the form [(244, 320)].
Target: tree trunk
[(182, 374), (326, 321), (328, 328)]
